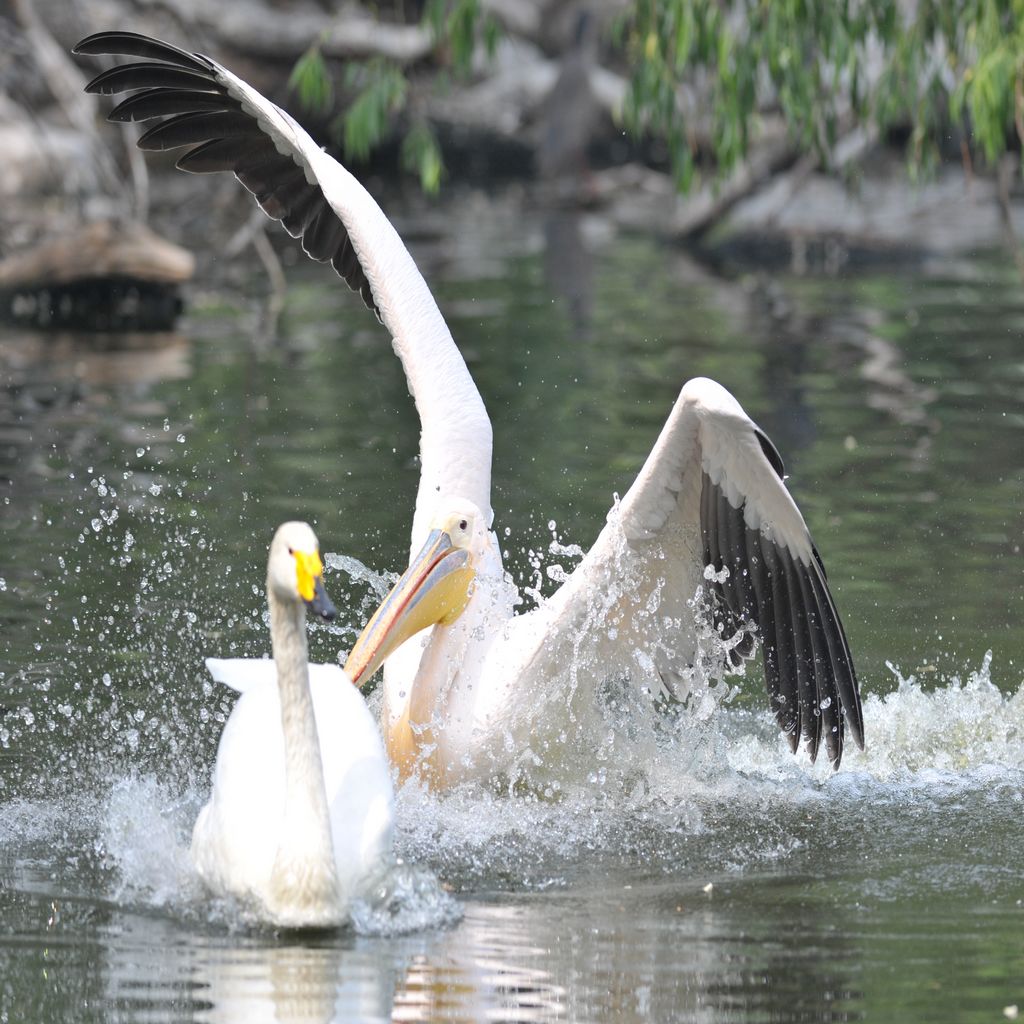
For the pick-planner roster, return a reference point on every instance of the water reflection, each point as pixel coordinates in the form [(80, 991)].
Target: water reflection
[(492, 966), (55, 388), (131, 362), (753, 952), (758, 955), (475, 972), (282, 982), (569, 267)]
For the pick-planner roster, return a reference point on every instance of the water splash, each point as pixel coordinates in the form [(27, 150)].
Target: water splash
[(956, 731), (727, 792), (143, 837), (129, 847), (358, 572), (700, 797), (405, 899), (109, 745), (366, 589)]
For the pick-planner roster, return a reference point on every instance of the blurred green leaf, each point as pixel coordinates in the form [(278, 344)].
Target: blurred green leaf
[(421, 155), (383, 89), (311, 80)]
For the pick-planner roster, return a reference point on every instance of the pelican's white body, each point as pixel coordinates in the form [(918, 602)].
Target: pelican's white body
[(513, 685)]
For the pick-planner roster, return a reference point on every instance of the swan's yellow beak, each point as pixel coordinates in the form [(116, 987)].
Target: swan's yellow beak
[(309, 572), (434, 589)]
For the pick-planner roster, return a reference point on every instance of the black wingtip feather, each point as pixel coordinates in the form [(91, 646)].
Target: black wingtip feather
[(324, 235), (124, 77), (771, 453), (132, 44), (826, 698), (210, 158), (151, 103), (845, 675), (812, 685), (174, 83), (807, 677), (198, 126), (830, 696), (781, 697), (777, 598)]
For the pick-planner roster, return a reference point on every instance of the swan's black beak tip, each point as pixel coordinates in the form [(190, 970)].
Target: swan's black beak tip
[(321, 604)]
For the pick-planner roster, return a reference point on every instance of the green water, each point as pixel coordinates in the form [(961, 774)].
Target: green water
[(141, 481)]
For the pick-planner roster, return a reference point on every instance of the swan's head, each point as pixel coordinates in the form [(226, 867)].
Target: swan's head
[(434, 589), (294, 570)]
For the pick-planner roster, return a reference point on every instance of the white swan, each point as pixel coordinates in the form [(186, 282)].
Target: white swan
[(300, 817), (486, 688)]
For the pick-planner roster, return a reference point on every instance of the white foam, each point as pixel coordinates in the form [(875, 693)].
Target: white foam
[(729, 784), (406, 899), (145, 831), (962, 730)]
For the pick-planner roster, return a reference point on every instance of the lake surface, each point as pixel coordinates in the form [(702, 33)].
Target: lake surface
[(714, 878)]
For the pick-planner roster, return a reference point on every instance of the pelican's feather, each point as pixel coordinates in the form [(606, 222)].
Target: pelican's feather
[(232, 127)]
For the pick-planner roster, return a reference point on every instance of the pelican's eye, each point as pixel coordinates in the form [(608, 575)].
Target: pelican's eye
[(291, 551), (463, 525)]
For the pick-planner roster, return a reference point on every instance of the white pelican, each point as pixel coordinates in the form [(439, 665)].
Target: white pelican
[(300, 817), (488, 688)]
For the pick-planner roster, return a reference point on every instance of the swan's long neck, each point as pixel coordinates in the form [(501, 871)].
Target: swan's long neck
[(304, 874)]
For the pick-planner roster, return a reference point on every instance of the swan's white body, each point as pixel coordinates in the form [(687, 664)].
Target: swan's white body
[(300, 817), (490, 688), (235, 839)]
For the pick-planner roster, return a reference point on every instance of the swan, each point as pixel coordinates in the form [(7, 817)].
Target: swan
[(707, 539), (300, 816)]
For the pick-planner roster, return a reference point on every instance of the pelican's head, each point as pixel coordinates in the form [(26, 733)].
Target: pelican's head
[(434, 589), (295, 572)]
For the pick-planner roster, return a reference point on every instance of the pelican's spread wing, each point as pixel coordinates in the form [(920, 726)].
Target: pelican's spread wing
[(711, 494), (232, 127)]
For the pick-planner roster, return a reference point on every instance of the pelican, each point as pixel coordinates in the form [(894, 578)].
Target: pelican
[(300, 817), (707, 540)]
